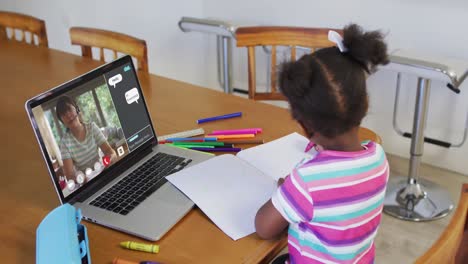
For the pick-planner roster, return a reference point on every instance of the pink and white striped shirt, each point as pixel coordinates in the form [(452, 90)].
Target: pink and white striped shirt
[(333, 203)]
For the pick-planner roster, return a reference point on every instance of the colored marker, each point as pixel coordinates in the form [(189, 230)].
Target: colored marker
[(169, 141), (218, 149), (236, 131), (215, 118), (140, 246), (235, 136), (232, 133), (225, 146), (192, 146), (181, 147), (175, 146), (244, 141), (211, 143), (192, 139)]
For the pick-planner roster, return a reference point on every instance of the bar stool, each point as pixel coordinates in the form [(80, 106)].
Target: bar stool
[(225, 33), (412, 198)]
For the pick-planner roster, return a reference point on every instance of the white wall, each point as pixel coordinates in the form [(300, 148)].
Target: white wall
[(430, 26), (171, 53)]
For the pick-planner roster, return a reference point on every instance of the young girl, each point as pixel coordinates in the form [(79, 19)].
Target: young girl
[(333, 201)]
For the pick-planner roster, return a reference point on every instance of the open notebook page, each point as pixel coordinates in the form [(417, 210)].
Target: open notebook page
[(228, 190), (278, 157)]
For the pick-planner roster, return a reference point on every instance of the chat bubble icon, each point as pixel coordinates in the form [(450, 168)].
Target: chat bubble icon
[(132, 95), (115, 79)]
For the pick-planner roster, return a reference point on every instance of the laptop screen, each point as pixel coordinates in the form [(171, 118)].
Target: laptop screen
[(87, 126)]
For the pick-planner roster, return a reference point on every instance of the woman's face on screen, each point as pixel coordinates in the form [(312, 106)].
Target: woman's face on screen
[(70, 118)]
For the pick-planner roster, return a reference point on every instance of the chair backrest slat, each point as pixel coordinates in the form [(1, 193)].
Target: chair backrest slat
[(117, 42), (252, 72), (292, 37), (293, 53), (101, 54), (273, 70), (22, 23)]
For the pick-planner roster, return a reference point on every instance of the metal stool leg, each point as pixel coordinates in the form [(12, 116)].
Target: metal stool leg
[(411, 198), (224, 49)]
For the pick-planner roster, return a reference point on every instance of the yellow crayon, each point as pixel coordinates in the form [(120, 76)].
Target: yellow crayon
[(140, 246)]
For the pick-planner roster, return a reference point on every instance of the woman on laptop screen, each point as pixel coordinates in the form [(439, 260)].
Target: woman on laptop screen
[(81, 142)]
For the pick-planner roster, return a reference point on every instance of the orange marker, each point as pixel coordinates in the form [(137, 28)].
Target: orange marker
[(235, 136), (123, 261)]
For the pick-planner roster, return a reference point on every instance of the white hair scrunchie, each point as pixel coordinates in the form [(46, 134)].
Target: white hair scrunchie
[(336, 38)]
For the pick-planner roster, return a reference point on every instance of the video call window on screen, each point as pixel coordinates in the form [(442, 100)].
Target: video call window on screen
[(105, 108), (92, 107)]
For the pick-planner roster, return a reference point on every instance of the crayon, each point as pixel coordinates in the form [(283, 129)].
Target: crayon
[(140, 246)]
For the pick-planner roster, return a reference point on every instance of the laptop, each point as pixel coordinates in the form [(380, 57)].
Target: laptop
[(115, 171)]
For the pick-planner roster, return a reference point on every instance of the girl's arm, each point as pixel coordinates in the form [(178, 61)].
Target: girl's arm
[(269, 223)]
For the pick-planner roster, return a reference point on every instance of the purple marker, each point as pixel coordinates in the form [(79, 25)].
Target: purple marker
[(217, 149), (214, 118)]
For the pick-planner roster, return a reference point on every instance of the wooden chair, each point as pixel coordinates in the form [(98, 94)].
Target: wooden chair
[(312, 38), (251, 37), (452, 245), (104, 39), (23, 23)]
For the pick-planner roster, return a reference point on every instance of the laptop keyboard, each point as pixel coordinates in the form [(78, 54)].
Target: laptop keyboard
[(130, 191)]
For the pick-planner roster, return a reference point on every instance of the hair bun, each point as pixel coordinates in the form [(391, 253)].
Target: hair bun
[(292, 75), (368, 48)]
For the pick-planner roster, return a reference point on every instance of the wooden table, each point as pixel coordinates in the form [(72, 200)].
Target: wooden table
[(26, 191)]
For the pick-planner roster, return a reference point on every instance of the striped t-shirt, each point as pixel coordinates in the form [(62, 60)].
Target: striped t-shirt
[(84, 154), (333, 203)]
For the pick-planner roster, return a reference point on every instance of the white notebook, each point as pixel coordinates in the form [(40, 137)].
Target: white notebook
[(230, 189)]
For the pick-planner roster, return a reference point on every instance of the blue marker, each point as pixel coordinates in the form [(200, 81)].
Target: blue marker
[(214, 118)]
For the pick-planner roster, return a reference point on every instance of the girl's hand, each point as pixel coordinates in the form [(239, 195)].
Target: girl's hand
[(280, 181)]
